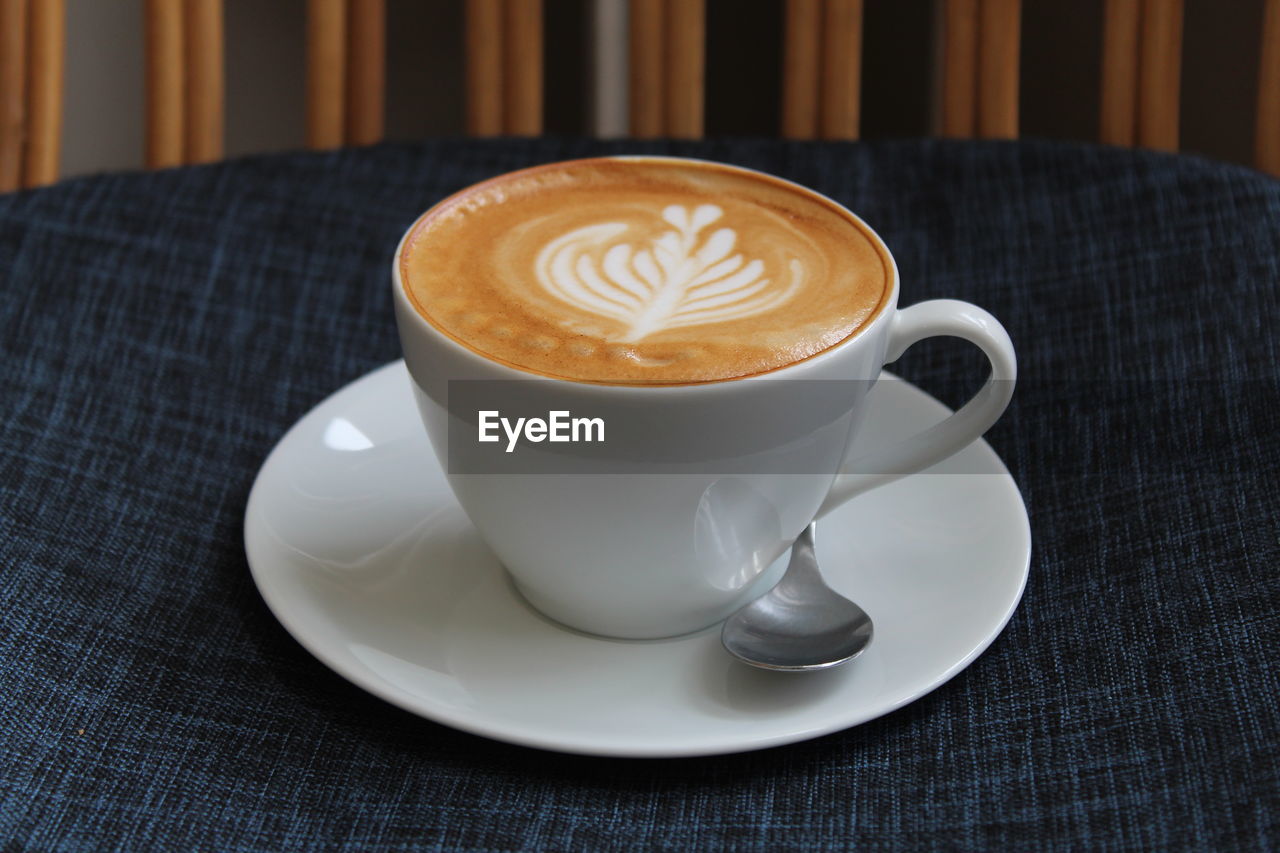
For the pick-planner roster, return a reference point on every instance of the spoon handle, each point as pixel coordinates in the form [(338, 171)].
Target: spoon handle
[(804, 559)]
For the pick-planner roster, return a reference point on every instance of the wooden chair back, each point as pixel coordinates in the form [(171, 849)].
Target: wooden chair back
[(1141, 72), (978, 71), (1267, 129), (504, 67), (346, 68), (979, 64), (32, 45), (978, 61), (346, 72), (184, 80), (821, 69), (667, 56)]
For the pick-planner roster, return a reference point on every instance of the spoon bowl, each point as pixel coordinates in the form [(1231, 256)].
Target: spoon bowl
[(801, 624)]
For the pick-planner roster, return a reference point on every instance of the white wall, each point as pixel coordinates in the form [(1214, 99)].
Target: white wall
[(102, 111)]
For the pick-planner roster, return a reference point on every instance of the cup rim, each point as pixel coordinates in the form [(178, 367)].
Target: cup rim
[(883, 310)]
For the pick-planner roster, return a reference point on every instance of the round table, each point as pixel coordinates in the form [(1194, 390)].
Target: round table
[(162, 330)]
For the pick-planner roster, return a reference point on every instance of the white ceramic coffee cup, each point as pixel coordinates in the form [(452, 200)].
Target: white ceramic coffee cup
[(618, 546)]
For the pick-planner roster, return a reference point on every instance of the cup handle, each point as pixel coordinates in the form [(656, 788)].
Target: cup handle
[(946, 317)]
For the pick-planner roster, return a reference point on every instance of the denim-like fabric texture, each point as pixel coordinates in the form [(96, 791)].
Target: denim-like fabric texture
[(161, 331)]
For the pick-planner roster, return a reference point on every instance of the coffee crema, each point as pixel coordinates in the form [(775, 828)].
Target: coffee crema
[(643, 270)]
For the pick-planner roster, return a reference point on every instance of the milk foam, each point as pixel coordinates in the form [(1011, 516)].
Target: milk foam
[(675, 278), (648, 270)]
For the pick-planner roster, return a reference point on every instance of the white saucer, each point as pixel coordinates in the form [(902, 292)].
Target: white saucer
[(359, 549)]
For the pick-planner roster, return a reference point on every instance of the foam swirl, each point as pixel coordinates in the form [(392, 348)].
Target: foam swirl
[(678, 279)]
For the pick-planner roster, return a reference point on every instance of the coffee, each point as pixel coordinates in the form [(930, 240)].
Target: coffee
[(643, 271)]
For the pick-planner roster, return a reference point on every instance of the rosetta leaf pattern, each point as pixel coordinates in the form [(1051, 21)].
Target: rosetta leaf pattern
[(681, 277)]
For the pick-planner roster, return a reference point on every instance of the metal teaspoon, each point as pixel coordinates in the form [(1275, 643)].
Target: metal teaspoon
[(800, 624)]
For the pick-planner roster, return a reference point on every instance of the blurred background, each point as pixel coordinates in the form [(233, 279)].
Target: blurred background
[(266, 49)]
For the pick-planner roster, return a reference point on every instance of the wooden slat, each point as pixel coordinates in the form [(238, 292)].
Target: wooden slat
[(13, 91), (959, 67), (686, 28), (166, 95), (366, 71), (1267, 133), (1119, 96), (205, 79), (999, 44), (326, 72), (841, 68), (484, 67), (647, 78), (801, 46), (522, 68), (1159, 74), (45, 69)]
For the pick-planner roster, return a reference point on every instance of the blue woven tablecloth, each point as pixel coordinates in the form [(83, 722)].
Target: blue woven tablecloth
[(161, 331)]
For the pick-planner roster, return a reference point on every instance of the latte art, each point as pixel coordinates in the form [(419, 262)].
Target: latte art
[(643, 271), (678, 279)]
